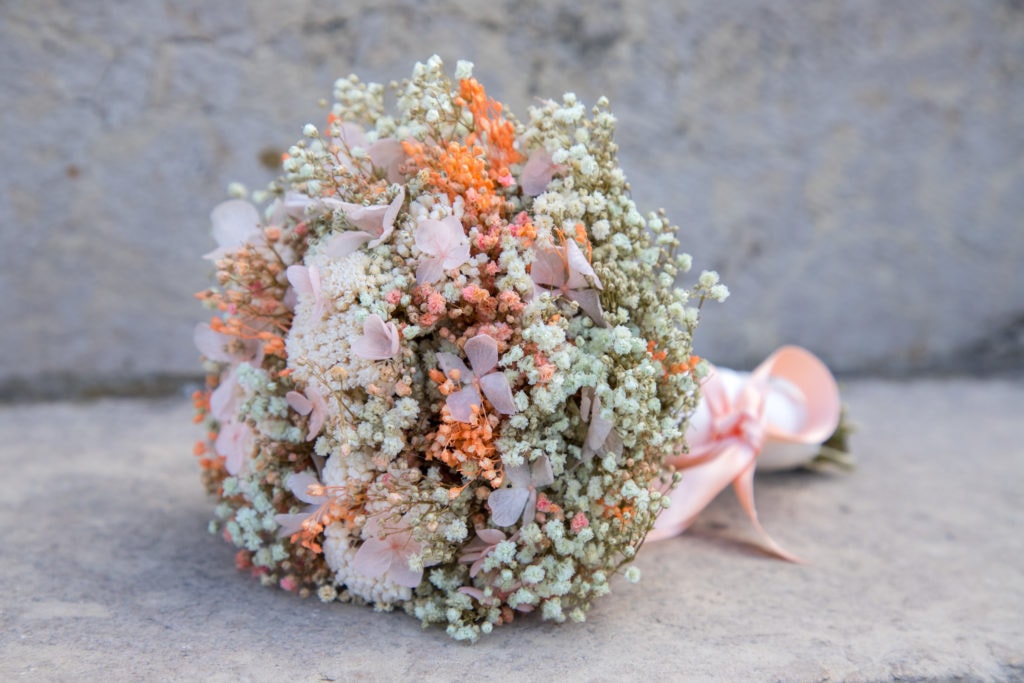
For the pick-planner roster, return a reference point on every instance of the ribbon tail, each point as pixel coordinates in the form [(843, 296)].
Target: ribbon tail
[(698, 487), (744, 487)]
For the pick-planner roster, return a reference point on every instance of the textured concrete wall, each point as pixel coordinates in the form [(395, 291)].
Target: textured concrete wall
[(855, 171)]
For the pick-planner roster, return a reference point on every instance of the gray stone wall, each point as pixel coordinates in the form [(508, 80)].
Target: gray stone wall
[(855, 171)]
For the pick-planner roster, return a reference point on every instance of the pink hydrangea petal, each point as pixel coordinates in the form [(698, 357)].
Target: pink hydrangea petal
[(299, 403), (579, 268), (537, 173), (429, 270), (482, 351), (299, 484), (456, 255), (235, 222), (388, 222), (449, 362), (507, 505), (224, 397), (369, 219), (471, 591), (350, 135), (290, 523), (211, 344), (540, 472), (491, 537), (234, 443), (373, 558), (460, 404), (379, 340), (432, 237), (340, 245), (519, 476), (389, 155), (298, 276), (548, 269), (590, 303), (497, 390), (400, 573)]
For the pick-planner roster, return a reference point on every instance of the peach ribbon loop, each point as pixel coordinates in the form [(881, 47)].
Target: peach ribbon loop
[(789, 405)]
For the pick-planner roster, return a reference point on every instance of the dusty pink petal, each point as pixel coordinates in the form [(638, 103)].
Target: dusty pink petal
[(537, 173), (299, 403), (491, 537), (456, 255), (373, 558), (449, 362), (235, 444), (471, 591), (432, 237), (590, 303), (290, 523), (369, 219), (224, 398), (460, 404), (379, 341), (389, 155), (299, 484), (497, 390), (350, 135), (540, 472), (341, 244), (400, 572), (579, 268), (318, 417), (519, 476), (429, 270), (211, 344), (306, 281), (390, 215), (482, 352), (507, 505), (548, 269), (235, 223)]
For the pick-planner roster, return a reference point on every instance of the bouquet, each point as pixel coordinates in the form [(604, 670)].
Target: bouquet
[(450, 365)]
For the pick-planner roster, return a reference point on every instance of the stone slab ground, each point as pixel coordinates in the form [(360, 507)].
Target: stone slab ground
[(916, 566)]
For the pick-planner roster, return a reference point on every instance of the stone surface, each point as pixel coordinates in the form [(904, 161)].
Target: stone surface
[(914, 567), (853, 170)]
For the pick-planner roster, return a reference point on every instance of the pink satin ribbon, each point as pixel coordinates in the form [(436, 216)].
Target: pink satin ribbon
[(791, 399)]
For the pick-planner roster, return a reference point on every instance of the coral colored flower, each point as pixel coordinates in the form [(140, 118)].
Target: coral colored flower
[(236, 223), (445, 245), (379, 341), (538, 172), (386, 552), (373, 225), (566, 272), (235, 443), (306, 281), (311, 403), (291, 523), (482, 351), (520, 500)]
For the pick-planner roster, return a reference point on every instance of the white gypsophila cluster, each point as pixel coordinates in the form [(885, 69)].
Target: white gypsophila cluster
[(340, 551)]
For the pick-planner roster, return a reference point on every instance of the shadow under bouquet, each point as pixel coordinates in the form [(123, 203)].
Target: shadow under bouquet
[(450, 364)]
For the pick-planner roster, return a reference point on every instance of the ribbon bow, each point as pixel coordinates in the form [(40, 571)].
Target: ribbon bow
[(778, 414)]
